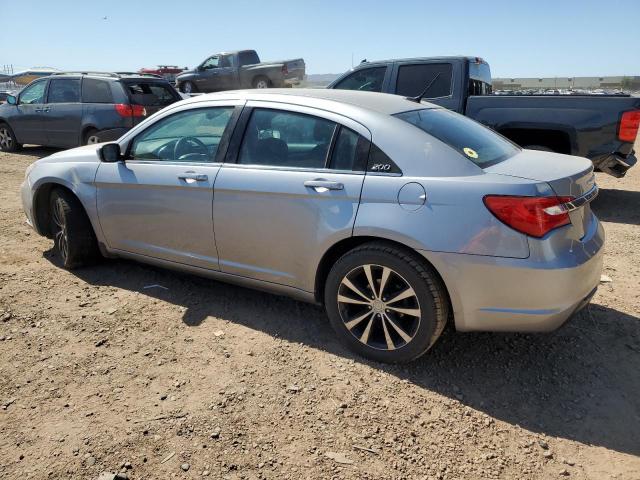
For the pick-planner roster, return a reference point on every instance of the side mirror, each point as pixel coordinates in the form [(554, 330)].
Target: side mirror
[(110, 153), (11, 100)]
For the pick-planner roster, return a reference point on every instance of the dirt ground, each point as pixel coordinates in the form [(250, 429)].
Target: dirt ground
[(99, 372)]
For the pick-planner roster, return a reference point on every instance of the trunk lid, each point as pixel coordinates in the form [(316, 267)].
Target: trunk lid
[(565, 174)]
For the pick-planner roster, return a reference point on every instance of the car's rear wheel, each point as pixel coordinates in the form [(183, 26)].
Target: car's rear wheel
[(261, 82), (71, 229), (385, 303), (188, 87), (8, 140), (91, 137)]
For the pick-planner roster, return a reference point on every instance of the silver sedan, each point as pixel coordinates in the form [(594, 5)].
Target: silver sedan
[(398, 216)]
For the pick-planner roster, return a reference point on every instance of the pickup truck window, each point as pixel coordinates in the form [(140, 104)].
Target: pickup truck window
[(477, 143), (366, 80), (248, 58), (413, 79), (211, 62)]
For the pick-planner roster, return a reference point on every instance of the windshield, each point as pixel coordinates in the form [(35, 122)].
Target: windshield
[(479, 144)]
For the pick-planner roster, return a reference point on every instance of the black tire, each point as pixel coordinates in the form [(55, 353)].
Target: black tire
[(72, 233), (541, 148), (430, 300), (188, 87), (261, 82), (8, 140), (91, 137)]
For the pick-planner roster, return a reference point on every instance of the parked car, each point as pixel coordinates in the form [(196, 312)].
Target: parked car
[(395, 215), (71, 109), (602, 129), (241, 69)]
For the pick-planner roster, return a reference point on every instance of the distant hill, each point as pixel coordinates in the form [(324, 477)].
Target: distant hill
[(320, 79)]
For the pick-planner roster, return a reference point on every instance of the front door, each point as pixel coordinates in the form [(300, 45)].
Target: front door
[(285, 200), (158, 202), (28, 121), (63, 120), (208, 77)]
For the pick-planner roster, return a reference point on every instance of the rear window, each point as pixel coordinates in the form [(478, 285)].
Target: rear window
[(150, 94), (248, 58), (479, 144), (96, 91)]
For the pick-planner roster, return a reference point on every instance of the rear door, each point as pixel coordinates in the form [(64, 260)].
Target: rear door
[(28, 121), (410, 79), (282, 197), (63, 119), (158, 203), (226, 73)]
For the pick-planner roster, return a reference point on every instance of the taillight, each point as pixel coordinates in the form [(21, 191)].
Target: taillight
[(285, 69), (628, 128), (126, 110), (535, 216)]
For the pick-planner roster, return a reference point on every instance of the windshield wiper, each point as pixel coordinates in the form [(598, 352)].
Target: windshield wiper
[(418, 99)]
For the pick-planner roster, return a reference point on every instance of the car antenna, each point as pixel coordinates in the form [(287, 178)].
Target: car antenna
[(418, 99)]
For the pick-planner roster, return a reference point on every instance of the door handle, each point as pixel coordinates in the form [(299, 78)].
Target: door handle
[(321, 185), (193, 176), (45, 110)]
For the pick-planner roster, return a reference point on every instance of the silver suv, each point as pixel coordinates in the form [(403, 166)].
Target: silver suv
[(397, 215)]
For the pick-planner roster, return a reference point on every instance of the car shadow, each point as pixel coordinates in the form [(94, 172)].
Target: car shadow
[(580, 382), (617, 206)]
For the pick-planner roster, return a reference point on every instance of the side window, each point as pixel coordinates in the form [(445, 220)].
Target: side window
[(413, 79), (280, 138), (188, 136), (224, 61), (366, 80), (33, 94), (380, 162), (64, 90), (350, 151), (211, 62), (96, 91)]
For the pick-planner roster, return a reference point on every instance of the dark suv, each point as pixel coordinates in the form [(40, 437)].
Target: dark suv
[(71, 109)]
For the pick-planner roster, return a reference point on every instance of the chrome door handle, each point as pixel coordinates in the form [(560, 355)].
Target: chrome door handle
[(197, 177), (321, 185)]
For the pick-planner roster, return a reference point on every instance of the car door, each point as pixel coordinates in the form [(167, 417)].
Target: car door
[(28, 121), (63, 116), (158, 202), (207, 79), (279, 203), (226, 73)]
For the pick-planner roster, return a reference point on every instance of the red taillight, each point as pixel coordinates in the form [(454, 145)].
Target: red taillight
[(285, 69), (628, 128), (126, 110), (535, 216)]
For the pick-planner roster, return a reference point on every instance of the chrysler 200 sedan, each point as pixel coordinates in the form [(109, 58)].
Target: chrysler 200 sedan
[(397, 215)]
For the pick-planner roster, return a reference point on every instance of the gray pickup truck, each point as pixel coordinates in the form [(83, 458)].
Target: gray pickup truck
[(599, 127), (241, 69)]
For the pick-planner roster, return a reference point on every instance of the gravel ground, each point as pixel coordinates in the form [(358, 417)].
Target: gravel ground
[(201, 379)]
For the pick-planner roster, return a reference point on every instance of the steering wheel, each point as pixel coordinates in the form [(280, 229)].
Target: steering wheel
[(189, 145)]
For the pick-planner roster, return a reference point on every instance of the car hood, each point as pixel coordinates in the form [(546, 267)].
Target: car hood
[(87, 153), (185, 73)]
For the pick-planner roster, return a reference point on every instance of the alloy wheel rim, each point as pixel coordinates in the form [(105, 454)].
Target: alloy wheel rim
[(262, 84), (379, 307), (5, 138), (60, 235), (187, 87), (93, 139)]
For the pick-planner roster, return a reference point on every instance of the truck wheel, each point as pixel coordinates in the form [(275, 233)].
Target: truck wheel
[(261, 82), (385, 303), (188, 87), (541, 148), (72, 232), (91, 137), (8, 141)]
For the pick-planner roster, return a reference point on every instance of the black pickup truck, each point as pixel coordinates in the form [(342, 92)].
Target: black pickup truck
[(601, 128)]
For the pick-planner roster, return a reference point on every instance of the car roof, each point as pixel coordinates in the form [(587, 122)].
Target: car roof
[(108, 75), (383, 103), (444, 58)]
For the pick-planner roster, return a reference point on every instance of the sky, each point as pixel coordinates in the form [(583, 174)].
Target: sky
[(519, 39)]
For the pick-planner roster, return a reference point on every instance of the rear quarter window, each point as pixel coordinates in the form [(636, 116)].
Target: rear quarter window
[(414, 79), (96, 91), (477, 143)]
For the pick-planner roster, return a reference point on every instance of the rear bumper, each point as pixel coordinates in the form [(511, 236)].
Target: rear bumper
[(616, 164), (520, 295)]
